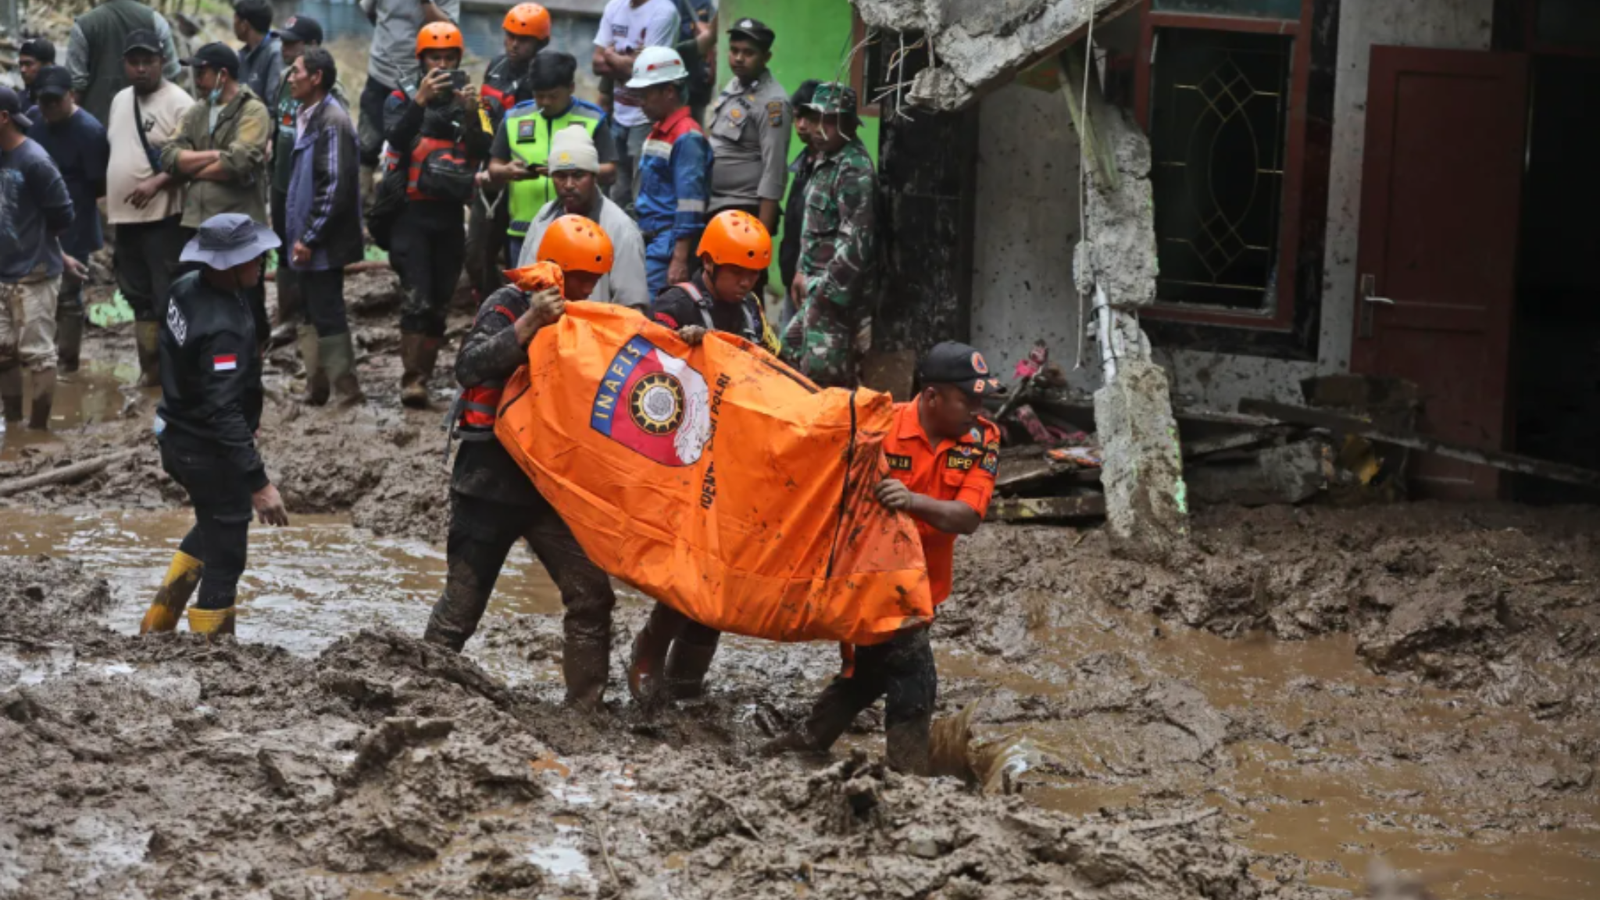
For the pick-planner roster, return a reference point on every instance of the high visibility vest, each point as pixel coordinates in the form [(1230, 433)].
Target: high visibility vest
[(528, 133)]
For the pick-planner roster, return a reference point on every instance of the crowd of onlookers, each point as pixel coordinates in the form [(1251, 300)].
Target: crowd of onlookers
[(447, 176)]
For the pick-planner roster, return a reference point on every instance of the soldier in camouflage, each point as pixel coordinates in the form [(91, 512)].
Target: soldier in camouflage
[(838, 246)]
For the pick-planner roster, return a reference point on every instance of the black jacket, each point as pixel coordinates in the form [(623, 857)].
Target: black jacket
[(405, 120), (211, 374), (676, 308), (492, 355)]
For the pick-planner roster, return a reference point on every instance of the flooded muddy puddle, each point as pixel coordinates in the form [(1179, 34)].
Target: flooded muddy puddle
[(98, 392), (1312, 761), (304, 587), (1304, 751)]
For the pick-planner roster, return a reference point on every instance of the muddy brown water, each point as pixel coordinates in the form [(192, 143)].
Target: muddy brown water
[(304, 587), (1234, 723), (1335, 816), (98, 392)]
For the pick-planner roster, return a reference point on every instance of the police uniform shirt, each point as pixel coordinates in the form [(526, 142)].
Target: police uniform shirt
[(749, 134)]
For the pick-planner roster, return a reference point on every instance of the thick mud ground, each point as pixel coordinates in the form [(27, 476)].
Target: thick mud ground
[(1303, 692)]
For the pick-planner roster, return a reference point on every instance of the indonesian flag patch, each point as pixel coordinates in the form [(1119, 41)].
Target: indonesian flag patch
[(227, 362)]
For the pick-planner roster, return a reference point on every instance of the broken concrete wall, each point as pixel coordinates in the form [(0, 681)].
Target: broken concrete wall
[(1146, 499), (1219, 381), (1025, 229), (978, 46), (1115, 263)]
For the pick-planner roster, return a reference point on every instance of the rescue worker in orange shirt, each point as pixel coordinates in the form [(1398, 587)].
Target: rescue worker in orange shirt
[(492, 501), (734, 250), (942, 458)]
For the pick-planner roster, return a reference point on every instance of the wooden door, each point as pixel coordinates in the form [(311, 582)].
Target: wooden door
[(1441, 196)]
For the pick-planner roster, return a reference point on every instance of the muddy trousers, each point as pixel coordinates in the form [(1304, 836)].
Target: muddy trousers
[(145, 258), (428, 250), (902, 672), (322, 297), (482, 533), (222, 512)]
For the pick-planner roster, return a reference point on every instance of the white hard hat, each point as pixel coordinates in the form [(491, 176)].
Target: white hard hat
[(657, 65)]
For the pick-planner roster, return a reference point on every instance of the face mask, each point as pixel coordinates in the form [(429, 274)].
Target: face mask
[(216, 95)]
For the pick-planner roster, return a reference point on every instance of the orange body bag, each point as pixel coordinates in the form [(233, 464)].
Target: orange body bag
[(715, 479)]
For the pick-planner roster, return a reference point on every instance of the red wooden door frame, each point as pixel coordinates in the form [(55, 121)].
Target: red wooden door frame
[(1490, 398)]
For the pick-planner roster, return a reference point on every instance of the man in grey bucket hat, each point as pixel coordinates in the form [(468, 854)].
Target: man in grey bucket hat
[(206, 423)]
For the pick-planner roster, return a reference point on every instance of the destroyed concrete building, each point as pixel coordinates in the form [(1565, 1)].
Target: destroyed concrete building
[(1384, 189)]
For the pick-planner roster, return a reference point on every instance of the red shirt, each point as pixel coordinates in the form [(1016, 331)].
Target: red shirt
[(961, 469)]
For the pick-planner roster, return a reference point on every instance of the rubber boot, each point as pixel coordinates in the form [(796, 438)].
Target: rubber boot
[(147, 340), (11, 392), (212, 622), (689, 660), (183, 575), (647, 667), (907, 745), (69, 340), (830, 716), (413, 380), (44, 394), (339, 366), (316, 372), (585, 663)]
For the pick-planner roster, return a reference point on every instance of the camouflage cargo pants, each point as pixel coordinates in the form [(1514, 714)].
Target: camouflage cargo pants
[(820, 344)]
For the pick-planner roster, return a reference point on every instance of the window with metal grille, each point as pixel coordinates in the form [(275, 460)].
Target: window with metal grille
[(1219, 137)]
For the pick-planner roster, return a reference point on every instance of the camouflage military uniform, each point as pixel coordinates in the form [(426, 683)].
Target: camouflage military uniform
[(838, 253)]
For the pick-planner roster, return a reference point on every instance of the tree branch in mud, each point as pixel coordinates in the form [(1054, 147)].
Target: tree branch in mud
[(64, 475)]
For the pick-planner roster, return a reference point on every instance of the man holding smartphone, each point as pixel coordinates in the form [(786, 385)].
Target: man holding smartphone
[(392, 60), (435, 126)]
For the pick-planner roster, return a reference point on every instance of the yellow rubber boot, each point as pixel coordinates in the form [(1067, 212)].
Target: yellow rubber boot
[(176, 589), (211, 622)]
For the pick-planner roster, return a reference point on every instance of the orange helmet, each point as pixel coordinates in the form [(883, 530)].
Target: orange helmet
[(440, 36), (736, 238), (529, 20), (576, 245)]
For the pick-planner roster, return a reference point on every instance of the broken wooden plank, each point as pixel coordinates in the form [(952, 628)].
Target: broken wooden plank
[(1019, 472), (1497, 459), (1028, 509), (1237, 440), (1089, 121)]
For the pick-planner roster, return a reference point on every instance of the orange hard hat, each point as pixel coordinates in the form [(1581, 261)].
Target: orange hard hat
[(440, 36), (529, 20), (736, 238), (576, 245)]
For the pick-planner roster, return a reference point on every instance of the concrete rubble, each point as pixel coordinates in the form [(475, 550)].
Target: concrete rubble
[(978, 46), (1146, 500)]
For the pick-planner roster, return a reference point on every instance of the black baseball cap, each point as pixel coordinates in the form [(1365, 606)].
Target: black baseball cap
[(38, 48), (11, 103), (301, 28), (214, 56), (754, 30), (142, 39), (961, 365), (53, 81)]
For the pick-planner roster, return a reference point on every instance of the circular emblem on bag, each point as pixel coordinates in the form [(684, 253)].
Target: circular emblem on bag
[(656, 403)]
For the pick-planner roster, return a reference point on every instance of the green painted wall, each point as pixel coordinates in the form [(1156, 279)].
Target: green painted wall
[(813, 37)]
